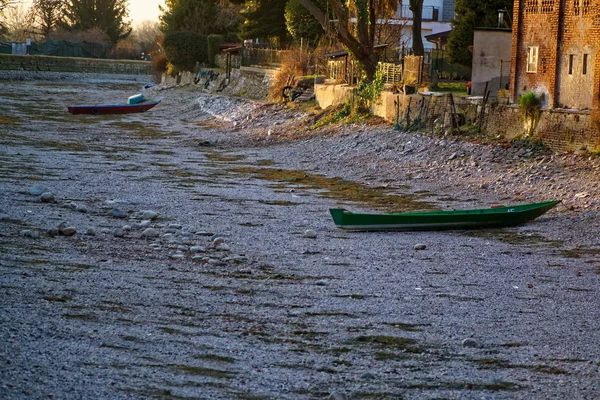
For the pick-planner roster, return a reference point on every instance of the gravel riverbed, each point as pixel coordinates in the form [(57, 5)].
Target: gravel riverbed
[(187, 252)]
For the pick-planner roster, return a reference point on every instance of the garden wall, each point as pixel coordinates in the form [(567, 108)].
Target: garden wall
[(561, 130), (72, 64)]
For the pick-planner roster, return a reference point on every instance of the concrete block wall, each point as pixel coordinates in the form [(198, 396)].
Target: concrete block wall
[(328, 94)]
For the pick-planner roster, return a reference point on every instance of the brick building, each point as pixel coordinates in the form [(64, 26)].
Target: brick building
[(555, 52)]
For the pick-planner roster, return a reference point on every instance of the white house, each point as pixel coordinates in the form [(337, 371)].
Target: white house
[(437, 15)]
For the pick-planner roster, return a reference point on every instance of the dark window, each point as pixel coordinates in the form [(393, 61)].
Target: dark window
[(531, 6), (585, 62), (586, 6), (571, 64), (547, 6)]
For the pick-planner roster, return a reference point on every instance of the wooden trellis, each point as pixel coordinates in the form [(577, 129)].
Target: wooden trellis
[(391, 72)]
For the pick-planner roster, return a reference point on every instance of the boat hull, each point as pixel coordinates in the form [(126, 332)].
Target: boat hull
[(441, 220), (112, 109)]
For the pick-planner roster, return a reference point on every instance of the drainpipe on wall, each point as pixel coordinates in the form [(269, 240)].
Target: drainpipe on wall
[(559, 54)]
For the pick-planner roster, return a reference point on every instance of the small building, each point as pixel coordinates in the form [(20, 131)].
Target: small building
[(492, 50), (555, 52)]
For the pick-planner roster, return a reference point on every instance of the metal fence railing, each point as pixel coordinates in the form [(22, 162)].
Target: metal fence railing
[(265, 58), (438, 59)]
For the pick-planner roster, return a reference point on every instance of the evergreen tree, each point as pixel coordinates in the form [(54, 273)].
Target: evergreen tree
[(265, 19), (301, 25), (200, 16), (471, 14), (110, 16), (46, 15)]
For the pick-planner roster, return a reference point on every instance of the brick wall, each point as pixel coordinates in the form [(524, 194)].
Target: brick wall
[(561, 130), (566, 34)]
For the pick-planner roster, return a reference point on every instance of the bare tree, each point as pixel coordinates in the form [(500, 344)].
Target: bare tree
[(146, 36), (17, 23), (3, 5), (6, 3), (356, 25)]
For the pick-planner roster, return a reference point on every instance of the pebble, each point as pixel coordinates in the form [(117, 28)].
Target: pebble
[(118, 213), (322, 282), (236, 259), (310, 234), (81, 208), (145, 224), (197, 258), (68, 231), (30, 234), (38, 189), (420, 246), (182, 248), (223, 247), (368, 375), (174, 226), (177, 256), (468, 342), (150, 232), (118, 232), (126, 228), (197, 249), (218, 240), (90, 232), (149, 214), (105, 230), (47, 197)]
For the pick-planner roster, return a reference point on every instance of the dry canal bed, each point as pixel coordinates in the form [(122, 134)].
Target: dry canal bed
[(215, 271)]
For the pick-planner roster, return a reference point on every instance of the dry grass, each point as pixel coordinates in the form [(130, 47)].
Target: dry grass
[(297, 63), (159, 65)]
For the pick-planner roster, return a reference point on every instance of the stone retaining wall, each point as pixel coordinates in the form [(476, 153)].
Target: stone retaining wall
[(561, 130), (244, 82), (72, 64)]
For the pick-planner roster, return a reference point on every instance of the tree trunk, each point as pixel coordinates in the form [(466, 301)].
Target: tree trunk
[(361, 47), (416, 6)]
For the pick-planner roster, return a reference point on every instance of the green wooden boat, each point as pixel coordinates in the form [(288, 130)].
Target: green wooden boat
[(438, 220)]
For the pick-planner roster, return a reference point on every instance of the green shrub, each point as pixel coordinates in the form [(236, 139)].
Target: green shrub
[(530, 106), (213, 43), (368, 92), (231, 37), (185, 49)]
